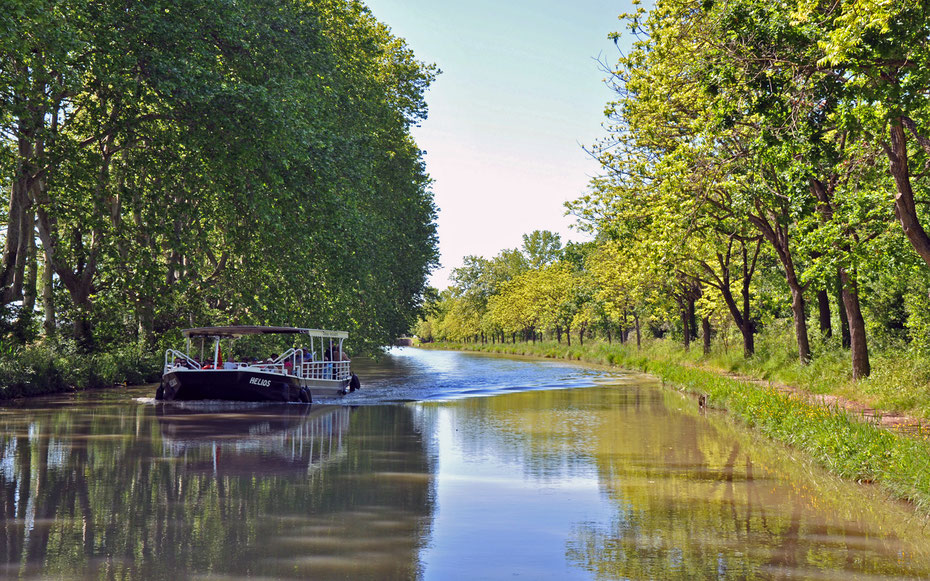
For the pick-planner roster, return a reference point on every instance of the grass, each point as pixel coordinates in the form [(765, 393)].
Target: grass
[(844, 445)]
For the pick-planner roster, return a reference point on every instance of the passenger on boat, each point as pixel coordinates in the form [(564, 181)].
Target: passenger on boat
[(334, 353), (339, 354), (328, 366), (308, 357)]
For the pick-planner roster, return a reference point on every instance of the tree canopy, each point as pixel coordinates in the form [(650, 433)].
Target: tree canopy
[(172, 164), (761, 162)]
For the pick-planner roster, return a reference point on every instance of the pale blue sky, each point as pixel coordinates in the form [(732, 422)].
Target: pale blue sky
[(521, 91)]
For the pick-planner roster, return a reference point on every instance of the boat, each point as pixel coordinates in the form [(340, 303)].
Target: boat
[(300, 374)]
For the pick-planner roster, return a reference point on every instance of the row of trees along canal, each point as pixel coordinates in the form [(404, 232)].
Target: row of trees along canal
[(200, 162), (760, 163)]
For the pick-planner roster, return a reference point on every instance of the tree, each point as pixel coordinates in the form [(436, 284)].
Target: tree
[(542, 247), (247, 162)]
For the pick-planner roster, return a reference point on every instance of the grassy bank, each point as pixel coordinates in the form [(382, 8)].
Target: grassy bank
[(846, 446), (55, 368)]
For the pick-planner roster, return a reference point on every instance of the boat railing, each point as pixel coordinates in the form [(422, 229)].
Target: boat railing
[(338, 370), (289, 357), (296, 363), (175, 358), (269, 367), (291, 362)]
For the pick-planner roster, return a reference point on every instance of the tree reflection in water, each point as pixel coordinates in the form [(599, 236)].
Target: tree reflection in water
[(159, 491), (682, 496), (697, 497)]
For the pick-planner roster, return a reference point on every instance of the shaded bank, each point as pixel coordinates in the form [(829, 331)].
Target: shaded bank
[(56, 368), (850, 448)]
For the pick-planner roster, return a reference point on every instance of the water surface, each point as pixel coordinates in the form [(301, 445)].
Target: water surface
[(445, 466)]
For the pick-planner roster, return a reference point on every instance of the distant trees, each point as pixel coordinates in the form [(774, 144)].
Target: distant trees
[(202, 163)]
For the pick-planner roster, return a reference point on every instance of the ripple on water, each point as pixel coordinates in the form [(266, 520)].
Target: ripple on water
[(439, 376)]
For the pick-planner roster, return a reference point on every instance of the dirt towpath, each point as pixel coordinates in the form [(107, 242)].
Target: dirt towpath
[(893, 421)]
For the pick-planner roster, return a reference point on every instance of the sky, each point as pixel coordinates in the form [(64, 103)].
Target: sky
[(521, 91)]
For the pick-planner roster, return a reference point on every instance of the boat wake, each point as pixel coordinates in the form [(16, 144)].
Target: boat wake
[(406, 374)]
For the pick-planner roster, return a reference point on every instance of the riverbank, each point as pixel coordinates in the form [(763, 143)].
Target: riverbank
[(49, 368), (847, 446)]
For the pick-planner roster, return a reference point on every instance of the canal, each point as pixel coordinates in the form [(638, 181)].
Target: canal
[(444, 466)]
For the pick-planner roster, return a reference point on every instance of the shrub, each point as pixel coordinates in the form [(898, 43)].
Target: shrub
[(55, 367)]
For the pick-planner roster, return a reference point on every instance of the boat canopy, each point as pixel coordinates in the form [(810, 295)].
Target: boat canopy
[(243, 330)]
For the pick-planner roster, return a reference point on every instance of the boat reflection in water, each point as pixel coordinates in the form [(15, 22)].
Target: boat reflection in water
[(136, 490), (235, 438)]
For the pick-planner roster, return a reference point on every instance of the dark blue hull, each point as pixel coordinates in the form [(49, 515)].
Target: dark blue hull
[(231, 385)]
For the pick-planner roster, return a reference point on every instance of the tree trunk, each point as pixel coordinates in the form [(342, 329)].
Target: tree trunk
[(19, 230), (773, 229), (83, 335), (749, 340), (23, 326), (48, 299), (26, 240), (705, 332), (743, 319), (857, 340), (685, 330), (30, 284), (841, 309), (14, 224), (741, 315), (823, 305), (800, 322), (639, 337), (748, 328), (748, 332), (20, 221), (692, 318), (79, 285), (904, 206), (146, 324), (581, 336), (558, 334)]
